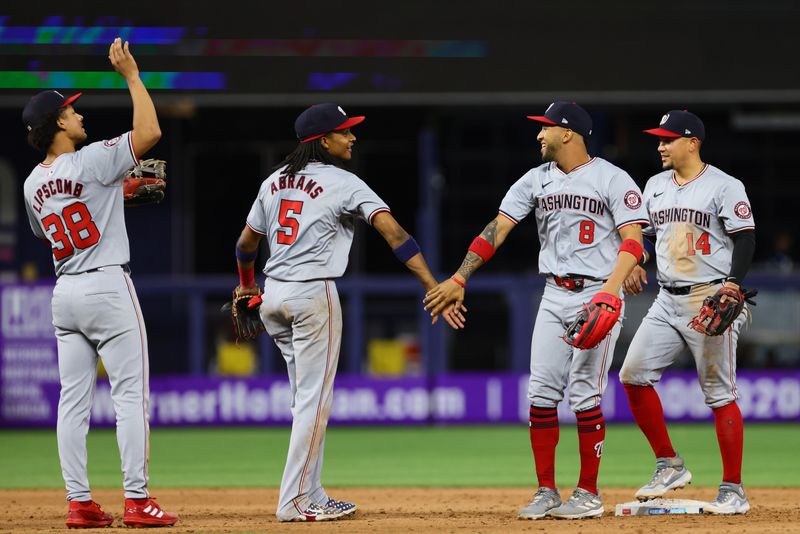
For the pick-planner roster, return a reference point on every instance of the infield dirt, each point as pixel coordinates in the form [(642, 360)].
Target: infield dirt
[(401, 510)]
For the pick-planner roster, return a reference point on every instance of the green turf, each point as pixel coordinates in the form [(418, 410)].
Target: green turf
[(399, 456)]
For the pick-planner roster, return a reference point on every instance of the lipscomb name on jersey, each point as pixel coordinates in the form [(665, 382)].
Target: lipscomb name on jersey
[(290, 181), (51, 188), (566, 201), (681, 215)]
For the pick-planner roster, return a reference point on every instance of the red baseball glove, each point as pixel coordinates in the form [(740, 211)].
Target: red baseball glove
[(145, 183), (594, 322), (716, 316)]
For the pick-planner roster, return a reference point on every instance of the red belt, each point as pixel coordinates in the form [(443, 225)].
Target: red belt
[(574, 283)]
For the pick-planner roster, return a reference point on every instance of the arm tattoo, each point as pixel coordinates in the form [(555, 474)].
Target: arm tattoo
[(472, 261), (470, 264), (490, 232)]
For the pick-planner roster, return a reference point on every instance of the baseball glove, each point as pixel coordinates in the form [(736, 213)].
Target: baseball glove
[(246, 320), (594, 322), (716, 316), (145, 183)]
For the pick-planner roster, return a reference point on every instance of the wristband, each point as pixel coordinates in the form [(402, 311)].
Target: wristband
[(457, 281), (482, 248), (246, 257), (407, 250), (247, 276), (632, 247)]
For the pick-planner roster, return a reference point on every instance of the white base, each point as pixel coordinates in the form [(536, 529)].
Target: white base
[(661, 507)]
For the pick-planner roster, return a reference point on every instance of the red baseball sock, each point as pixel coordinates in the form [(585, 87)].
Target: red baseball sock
[(544, 438), (646, 408), (730, 434), (591, 433)]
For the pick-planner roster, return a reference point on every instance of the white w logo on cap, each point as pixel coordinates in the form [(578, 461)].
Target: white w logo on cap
[(664, 119), (341, 111)]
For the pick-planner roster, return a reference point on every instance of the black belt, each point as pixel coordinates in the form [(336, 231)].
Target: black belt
[(125, 268), (685, 290)]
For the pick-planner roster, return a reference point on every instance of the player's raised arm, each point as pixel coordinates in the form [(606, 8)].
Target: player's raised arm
[(483, 247), (408, 252), (146, 131)]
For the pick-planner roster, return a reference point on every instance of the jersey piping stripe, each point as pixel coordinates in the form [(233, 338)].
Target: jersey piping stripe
[(145, 372), (731, 362), (133, 151), (253, 229), (48, 165), (751, 228), (579, 167), (509, 217), (377, 211), (321, 393), (701, 173), (602, 369), (643, 222)]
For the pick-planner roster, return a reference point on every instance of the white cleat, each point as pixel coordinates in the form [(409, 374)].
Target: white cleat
[(671, 474), (581, 505), (544, 500), (731, 500)]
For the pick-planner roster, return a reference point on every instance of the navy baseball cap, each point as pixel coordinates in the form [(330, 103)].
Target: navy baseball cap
[(679, 123), (318, 120), (567, 115), (44, 103)]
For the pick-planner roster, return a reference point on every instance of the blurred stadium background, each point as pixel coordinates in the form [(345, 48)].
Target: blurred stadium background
[(445, 88)]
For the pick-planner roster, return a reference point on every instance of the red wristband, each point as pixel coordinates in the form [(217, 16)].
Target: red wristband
[(247, 276), (482, 248), (457, 281), (633, 247)]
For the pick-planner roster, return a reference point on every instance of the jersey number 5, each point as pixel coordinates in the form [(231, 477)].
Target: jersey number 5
[(287, 221), (80, 232), (701, 245)]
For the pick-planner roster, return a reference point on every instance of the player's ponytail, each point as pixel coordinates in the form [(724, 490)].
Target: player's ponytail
[(297, 160)]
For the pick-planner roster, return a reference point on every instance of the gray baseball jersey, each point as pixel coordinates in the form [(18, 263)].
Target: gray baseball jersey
[(693, 222), (309, 220), (76, 200), (578, 215), (76, 204)]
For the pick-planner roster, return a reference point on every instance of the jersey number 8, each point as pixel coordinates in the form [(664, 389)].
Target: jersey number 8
[(586, 234), (80, 232)]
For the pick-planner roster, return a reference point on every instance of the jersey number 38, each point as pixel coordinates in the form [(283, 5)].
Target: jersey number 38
[(80, 231)]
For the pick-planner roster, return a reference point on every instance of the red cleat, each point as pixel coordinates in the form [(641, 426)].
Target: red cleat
[(87, 514), (142, 513)]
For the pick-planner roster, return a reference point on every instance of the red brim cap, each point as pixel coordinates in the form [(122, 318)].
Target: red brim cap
[(71, 99), (539, 118), (661, 132), (352, 121)]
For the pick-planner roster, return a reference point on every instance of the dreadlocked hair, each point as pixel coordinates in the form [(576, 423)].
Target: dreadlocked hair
[(41, 136), (304, 153)]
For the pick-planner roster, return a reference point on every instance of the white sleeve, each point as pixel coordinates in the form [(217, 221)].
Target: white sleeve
[(520, 198), (734, 209), (257, 218), (625, 201), (361, 201), (34, 222), (107, 161)]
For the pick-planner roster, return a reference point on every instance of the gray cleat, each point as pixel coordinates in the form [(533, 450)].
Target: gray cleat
[(583, 504), (671, 473), (544, 500), (731, 500)]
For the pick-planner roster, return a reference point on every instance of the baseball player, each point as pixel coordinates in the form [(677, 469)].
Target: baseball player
[(704, 235), (307, 210), (74, 202), (589, 215)]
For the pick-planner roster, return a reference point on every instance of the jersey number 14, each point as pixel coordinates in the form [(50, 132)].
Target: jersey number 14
[(702, 244)]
